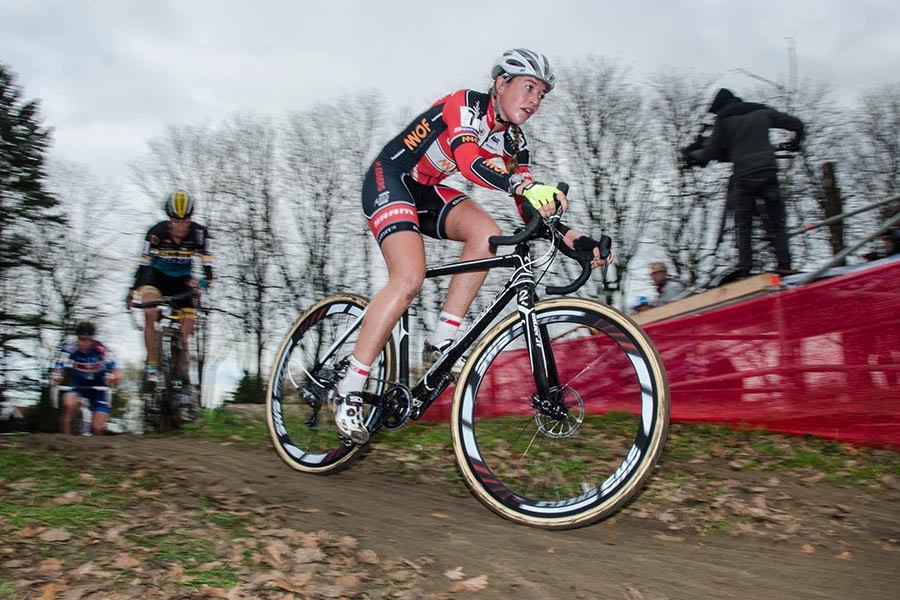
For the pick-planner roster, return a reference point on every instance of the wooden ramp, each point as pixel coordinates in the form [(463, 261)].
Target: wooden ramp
[(729, 293)]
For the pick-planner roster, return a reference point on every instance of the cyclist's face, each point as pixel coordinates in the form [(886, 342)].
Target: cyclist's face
[(519, 98), (85, 342), (180, 227)]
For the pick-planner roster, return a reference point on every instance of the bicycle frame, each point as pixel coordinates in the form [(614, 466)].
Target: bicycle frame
[(521, 286)]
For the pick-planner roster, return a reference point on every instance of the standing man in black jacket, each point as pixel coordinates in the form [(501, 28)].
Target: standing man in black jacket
[(741, 135)]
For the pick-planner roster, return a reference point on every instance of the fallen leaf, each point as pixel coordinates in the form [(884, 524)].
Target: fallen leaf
[(55, 535), (471, 585), (308, 555), (845, 555), (176, 573), (68, 499), (49, 592), (125, 561), (49, 565), (347, 582), (632, 593), (454, 574), (890, 481), (293, 584), (276, 550), (33, 530)]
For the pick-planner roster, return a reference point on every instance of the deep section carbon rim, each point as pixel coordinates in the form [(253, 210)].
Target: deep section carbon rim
[(312, 359), (578, 461)]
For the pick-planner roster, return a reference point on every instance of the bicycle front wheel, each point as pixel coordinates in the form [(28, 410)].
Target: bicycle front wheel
[(578, 462), (312, 359)]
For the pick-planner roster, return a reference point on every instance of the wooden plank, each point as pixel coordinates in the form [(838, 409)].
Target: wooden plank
[(714, 298)]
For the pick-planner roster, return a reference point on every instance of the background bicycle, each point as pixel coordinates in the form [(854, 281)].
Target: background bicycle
[(171, 401), (82, 416), (560, 409)]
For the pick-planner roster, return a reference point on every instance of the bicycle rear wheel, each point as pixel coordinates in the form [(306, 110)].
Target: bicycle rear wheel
[(577, 466), (313, 357)]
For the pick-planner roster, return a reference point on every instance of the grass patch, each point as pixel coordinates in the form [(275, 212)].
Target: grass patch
[(221, 425), (33, 483)]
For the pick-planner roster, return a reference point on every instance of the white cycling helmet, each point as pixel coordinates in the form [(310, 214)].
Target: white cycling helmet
[(520, 61)]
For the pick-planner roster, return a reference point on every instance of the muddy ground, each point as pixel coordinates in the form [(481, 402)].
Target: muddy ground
[(717, 526)]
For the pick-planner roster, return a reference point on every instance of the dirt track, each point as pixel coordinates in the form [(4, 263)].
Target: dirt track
[(791, 535)]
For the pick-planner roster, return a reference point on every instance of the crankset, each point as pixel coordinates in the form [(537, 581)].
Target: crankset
[(396, 406)]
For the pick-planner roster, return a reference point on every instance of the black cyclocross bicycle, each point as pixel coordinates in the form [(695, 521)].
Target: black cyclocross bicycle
[(170, 402), (560, 410)]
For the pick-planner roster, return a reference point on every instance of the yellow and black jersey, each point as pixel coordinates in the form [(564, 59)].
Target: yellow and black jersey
[(175, 258)]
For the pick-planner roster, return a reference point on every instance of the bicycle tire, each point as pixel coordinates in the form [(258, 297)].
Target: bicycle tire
[(299, 418), (165, 419), (563, 472)]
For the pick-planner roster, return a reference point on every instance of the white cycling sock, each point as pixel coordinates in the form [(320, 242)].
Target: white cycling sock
[(446, 330), (355, 379)]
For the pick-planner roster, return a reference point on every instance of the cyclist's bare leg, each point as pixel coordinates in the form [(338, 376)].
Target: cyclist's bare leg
[(187, 330), (98, 422), (468, 223), (404, 255), (70, 403), (150, 334)]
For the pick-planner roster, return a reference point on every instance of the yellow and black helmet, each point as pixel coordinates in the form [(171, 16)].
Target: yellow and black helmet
[(179, 205)]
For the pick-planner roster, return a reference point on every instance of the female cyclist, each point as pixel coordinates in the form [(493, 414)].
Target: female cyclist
[(478, 135)]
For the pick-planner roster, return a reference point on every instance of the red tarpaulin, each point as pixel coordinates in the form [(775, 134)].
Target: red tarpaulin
[(821, 359)]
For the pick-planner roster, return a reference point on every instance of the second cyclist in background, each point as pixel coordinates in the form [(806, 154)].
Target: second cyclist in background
[(92, 366), (166, 269)]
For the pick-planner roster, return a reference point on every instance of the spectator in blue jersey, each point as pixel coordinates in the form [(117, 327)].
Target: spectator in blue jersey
[(92, 365), (166, 269)]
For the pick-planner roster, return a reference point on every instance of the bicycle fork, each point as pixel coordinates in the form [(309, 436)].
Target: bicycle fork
[(548, 399)]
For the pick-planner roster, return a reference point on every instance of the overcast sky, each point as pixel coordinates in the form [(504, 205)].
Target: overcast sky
[(110, 74)]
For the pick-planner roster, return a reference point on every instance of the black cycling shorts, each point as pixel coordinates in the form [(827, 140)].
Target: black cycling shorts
[(392, 201), (166, 285)]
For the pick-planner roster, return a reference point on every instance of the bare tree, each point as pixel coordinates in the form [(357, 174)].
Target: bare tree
[(252, 252), (79, 280), (598, 138), (875, 170), (327, 150), (690, 217)]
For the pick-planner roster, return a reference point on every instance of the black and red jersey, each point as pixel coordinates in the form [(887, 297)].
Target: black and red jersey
[(454, 134)]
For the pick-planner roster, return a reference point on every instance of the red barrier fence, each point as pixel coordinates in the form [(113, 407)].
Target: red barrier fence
[(821, 359)]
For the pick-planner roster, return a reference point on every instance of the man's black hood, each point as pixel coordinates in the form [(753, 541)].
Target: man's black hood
[(723, 98)]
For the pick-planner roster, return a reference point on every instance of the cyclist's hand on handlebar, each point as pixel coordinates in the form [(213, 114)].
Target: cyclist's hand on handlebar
[(599, 251), (541, 196)]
